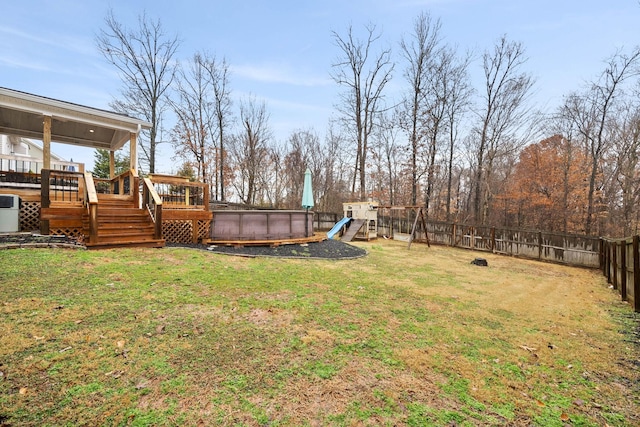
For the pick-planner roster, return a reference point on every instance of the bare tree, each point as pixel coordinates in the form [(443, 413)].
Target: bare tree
[(625, 159), (419, 52), (439, 95), (387, 155), (364, 75), (218, 71), (144, 59), (458, 103), (562, 125), (191, 137), (502, 113), (250, 148), (591, 112), (335, 170), (296, 161)]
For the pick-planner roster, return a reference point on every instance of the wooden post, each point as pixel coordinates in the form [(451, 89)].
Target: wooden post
[(623, 270), (45, 202), (601, 254), (413, 229), (133, 151), (614, 261), (196, 231), (608, 261), (493, 239), (205, 198), (46, 142), (539, 244), (453, 234), (424, 225), (473, 237), (93, 223), (112, 164), (158, 224), (135, 190), (636, 273)]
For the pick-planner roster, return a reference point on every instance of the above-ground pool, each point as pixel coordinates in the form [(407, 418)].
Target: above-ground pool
[(259, 225)]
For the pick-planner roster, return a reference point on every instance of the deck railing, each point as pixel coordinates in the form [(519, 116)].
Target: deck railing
[(22, 164), (61, 186), (180, 193), (122, 184), (25, 180), (152, 201)]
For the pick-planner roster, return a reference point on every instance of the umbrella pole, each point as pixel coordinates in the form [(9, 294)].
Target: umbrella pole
[(306, 224)]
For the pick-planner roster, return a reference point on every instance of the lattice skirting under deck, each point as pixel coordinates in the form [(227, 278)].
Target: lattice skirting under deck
[(204, 229), (76, 233), (177, 231), (30, 216)]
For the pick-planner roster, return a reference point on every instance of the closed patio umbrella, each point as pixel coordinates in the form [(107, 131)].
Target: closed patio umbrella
[(307, 199)]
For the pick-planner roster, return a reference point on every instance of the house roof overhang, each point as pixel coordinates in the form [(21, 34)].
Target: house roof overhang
[(22, 114)]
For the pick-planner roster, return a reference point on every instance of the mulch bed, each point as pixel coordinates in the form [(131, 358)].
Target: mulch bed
[(326, 249)]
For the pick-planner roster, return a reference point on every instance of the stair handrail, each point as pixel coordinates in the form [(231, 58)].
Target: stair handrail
[(153, 202), (134, 189), (91, 200)]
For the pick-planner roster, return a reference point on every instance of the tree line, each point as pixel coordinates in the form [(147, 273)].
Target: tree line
[(466, 150)]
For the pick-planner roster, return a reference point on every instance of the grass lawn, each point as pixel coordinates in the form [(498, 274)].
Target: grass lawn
[(417, 338)]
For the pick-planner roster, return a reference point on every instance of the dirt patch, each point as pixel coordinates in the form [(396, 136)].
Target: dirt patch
[(270, 317)]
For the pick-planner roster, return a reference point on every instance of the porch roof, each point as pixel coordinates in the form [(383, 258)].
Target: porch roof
[(22, 114)]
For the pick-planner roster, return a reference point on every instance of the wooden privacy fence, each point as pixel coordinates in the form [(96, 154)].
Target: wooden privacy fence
[(620, 263), (583, 251), (324, 221)]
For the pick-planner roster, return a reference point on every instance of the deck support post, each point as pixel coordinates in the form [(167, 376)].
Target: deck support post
[(133, 150), (46, 142)]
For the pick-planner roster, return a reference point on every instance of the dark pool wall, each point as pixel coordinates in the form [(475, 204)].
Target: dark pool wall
[(260, 225)]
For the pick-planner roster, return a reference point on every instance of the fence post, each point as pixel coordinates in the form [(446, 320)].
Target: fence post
[(539, 244), (636, 273), (493, 239), (473, 237), (614, 261), (623, 270), (453, 234), (608, 261)]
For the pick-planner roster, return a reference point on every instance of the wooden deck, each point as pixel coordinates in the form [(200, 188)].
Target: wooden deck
[(128, 211)]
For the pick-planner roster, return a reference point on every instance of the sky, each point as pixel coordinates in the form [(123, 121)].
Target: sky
[(281, 51)]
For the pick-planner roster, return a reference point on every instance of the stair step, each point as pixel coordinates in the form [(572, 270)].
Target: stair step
[(120, 223), (103, 233), (120, 220), (120, 210), (158, 243), (124, 238), (120, 226)]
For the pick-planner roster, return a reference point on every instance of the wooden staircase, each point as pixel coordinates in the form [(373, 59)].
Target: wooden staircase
[(121, 224)]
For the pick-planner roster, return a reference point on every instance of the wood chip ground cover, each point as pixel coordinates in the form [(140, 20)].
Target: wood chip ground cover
[(417, 338)]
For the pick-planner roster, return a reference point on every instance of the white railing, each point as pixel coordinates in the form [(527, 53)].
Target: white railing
[(13, 163)]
